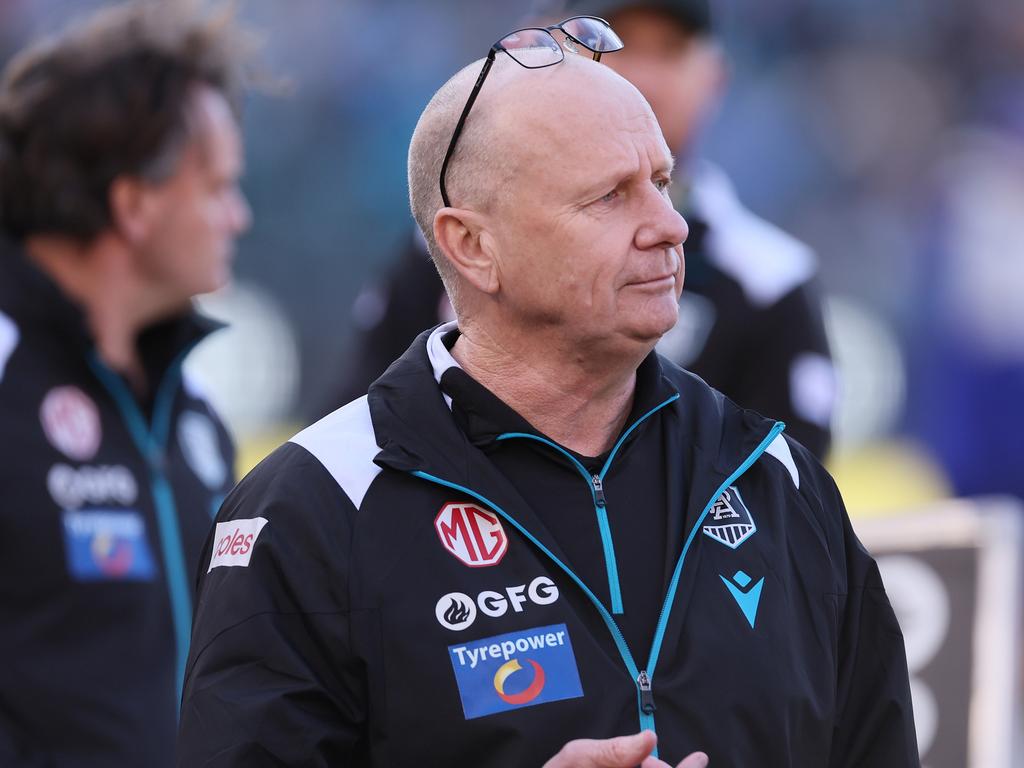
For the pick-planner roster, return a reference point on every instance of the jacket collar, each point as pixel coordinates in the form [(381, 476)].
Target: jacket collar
[(417, 430), (482, 416)]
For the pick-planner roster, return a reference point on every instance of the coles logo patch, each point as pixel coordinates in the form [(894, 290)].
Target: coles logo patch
[(106, 545), (515, 670), (71, 422), (471, 533), (234, 540)]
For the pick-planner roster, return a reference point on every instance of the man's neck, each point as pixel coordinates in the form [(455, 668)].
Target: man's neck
[(99, 279), (559, 391)]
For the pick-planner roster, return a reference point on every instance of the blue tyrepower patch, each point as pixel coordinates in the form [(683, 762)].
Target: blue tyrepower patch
[(519, 669), (107, 545)]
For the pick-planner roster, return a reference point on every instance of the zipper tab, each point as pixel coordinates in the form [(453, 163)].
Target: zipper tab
[(646, 696), (598, 490)]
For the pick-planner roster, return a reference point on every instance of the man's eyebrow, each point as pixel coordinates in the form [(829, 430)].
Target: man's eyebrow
[(610, 179)]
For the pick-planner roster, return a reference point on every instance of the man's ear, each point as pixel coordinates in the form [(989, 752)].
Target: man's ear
[(463, 237), (131, 208)]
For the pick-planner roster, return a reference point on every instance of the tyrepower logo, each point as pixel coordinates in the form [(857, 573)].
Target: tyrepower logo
[(457, 610), (471, 533), (233, 542)]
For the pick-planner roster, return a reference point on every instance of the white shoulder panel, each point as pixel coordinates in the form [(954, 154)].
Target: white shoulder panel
[(779, 448), (767, 262), (344, 443), (9, 337)]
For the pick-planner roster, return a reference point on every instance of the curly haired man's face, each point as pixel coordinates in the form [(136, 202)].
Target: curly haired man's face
[(200, 210)]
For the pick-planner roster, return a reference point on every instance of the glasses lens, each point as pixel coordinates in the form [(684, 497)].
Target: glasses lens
[(532, 48), (592, 33)]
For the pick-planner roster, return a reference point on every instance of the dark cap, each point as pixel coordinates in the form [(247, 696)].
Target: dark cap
[(695, 15)]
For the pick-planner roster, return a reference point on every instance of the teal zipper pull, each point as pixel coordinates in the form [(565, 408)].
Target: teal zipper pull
[(598, 490), (646, 695)]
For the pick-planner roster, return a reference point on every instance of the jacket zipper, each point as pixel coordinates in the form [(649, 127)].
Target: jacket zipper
[(643, 679), (151, 441), (596, 483)]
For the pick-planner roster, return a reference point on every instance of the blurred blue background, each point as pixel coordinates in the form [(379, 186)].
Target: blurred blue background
[(888, 136)]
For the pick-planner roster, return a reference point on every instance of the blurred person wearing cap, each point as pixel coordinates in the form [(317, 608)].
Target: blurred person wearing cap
[(535, 541), (119, 163), (750, 319)]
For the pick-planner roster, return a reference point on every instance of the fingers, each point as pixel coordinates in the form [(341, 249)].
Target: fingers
[(620, 752), (653, 762), (696, 760)]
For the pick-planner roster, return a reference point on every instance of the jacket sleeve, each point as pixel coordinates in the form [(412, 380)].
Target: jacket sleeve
[(874, 716), (12, 751), (272, 679)]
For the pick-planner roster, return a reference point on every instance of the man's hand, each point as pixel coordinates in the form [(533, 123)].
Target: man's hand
[(620, 752)]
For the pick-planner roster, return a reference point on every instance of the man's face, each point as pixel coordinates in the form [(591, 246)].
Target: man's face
[(678, 73), (198, 212), (588, 240)]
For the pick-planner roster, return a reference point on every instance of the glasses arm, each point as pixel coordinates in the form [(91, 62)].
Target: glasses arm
[(462, 120)]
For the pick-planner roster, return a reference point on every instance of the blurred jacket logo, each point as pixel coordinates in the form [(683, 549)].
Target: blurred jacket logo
[(201, 448), (71, 422), (107, 545), (71, 488)]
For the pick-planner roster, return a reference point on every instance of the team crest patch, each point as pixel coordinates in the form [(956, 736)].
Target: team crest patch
[(515, 670), (198, 439), (729, 521)]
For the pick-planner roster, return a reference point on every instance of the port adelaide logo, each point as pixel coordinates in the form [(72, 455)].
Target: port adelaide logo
[(729, 521)]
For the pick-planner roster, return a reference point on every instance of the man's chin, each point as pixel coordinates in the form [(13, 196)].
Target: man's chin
[(646, 336)]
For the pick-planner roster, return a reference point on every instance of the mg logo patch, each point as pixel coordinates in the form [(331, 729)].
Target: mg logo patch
[(473, 534), (515, 670), (71, 422), (729, 521)]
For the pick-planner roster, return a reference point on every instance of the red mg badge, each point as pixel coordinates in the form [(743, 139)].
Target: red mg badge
[(471, 533)]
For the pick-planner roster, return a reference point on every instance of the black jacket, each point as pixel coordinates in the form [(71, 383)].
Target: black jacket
[(380, 592), (750, 317), (104, 506)]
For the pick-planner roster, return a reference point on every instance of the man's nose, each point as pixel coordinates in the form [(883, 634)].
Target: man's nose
[(664, 226)]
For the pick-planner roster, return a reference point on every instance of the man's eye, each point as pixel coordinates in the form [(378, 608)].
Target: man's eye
[(663, 184), (610, 196)]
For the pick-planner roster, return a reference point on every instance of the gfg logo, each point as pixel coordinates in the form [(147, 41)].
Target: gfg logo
[(457, 610)]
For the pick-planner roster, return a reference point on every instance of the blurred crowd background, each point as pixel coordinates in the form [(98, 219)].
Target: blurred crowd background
[(888, 136)]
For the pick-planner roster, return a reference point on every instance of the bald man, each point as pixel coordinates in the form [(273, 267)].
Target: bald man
[(535, 542)]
